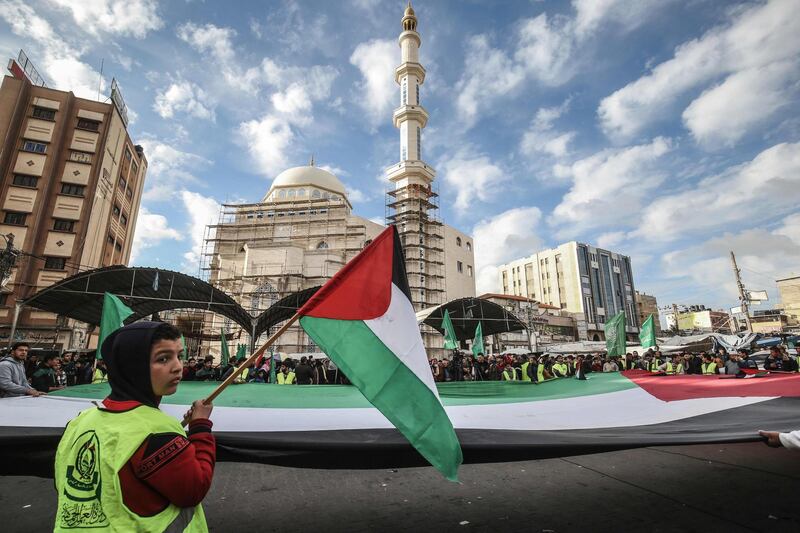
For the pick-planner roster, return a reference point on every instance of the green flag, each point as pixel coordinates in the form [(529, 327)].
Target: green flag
[(477, 343), (615, 334), (224, 353), (183, 347), (241, 351), (449, 333), (113, 317), (647, 335)]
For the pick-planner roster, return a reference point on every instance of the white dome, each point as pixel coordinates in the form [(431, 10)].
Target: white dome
[(308, 176)]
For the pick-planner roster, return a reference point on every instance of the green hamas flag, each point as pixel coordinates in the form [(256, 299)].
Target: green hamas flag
[(477, 343), (449, 333), (224, 353), (615, 334), (647, 335), (241, 351), (113, 317)]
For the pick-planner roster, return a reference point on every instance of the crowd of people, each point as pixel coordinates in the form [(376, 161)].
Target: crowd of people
[(537, 368), (22, 373)]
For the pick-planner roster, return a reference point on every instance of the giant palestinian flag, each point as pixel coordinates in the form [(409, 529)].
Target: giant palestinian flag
[(336, 426), (363, 319)]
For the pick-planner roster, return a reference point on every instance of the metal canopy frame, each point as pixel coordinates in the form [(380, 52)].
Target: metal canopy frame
[(466, 313)]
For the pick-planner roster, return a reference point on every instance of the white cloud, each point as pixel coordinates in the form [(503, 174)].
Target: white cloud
[(474, 177), (609, 240), (298, 88), (541, 137), (757, 37), (502, 238), (61, 62), (202, 211), (771, 180), (267, 140), (169, 169), (609, 185), (134, 18), (728, 111), (209, 39), (151, 229), (183, 98), (376, 60)]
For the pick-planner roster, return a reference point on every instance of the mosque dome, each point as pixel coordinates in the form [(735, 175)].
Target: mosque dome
[(307, 181)]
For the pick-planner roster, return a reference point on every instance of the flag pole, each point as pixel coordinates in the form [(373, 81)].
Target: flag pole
[(237, 371)]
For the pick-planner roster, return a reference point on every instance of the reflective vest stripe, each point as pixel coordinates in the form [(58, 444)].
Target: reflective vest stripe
[(525, 376), (540, 372), (287, 379)]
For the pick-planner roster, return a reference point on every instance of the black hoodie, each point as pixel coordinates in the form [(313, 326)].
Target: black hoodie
[(127, 356)]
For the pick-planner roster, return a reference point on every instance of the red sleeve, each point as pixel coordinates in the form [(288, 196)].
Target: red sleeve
[(176, 467)]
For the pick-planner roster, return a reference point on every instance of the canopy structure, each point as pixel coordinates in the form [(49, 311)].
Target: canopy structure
[(466, 313), (151, 290)]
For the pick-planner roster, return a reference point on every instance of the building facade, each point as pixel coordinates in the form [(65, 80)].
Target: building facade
[(647, 305), (72, 182), (699, 319), (789, 289), (578, 278)]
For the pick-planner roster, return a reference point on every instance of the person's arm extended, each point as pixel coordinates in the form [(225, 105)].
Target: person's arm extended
[(776, 439)]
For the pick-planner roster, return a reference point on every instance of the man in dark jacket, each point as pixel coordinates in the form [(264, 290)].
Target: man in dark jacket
[(44, 379), (304, 373)]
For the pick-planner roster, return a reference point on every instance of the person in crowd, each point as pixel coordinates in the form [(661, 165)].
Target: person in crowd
[(44, 379), (303, 373), (610, 366), (447, 372), (13, 381), (286, 376), (669, 366), (31, 365), (745, 361), (787, 363), (99, 374), (159, 473), (480, 367), (190, 370), (774, 361), (559, 369), (523, 367), (320, 373), (69, 363), (582, 367), (509, 373), (206, 373), (709, 366), (776, 439), (492, 369), (538, 371), (436, 370), (61, 377), (732, 367), (87, 372)]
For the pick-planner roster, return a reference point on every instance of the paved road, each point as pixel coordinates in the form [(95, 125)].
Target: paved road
[(726, 488)]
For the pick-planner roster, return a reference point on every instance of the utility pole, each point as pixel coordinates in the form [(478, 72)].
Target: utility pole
[(742, 293)]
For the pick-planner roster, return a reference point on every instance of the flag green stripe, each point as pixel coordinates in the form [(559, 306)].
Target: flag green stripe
[(391, 387)]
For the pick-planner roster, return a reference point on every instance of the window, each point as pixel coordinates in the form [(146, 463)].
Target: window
[(72, 190), (458, 241), (59, 224), (25, 181), (404, 92), (116, 210), (118, 247), (322, 245), (44, 114), (291, 193), (128, 155), (134, 169), (419, 143), (54, 263), (459, 267), (128, 194), (469, 246), (81, 157), (15, 219), (422, 266), (282, 194), (422, 280), (417, 93), (30, 146), (91, 125), (122, 183), (4, 298), (469, 270), (301, 192), (316, 194)]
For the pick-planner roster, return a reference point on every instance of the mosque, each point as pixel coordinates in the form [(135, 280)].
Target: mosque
[(303, 230)]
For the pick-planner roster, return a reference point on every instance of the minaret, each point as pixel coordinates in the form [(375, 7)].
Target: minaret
[(412, 203)]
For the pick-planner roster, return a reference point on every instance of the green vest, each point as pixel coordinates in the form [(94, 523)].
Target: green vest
[(512, 374), (669, 367), (288, 379), (98, 376), (540, 373), (96, 445), (525, 376), (244, 374), (680, 369), (654, 365), (709, 368), (562, 369)]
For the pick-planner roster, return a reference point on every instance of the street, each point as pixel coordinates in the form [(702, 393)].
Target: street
[(730, 487)]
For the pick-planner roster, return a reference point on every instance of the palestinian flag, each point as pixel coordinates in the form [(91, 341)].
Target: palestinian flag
[(363, 319), (335, 426)]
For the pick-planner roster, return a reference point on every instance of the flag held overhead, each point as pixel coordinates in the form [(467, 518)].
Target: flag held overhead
[(112, 318)]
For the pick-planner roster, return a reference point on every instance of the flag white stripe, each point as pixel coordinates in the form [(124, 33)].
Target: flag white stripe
[(397, 328)]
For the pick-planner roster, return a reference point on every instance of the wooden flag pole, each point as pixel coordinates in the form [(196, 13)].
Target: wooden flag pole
[(235, 374)]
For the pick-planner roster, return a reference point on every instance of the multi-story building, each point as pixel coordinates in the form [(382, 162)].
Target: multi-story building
[(578, 278), (70, 191), (698, 318), (769, 321), (789, 289), (647, 305)]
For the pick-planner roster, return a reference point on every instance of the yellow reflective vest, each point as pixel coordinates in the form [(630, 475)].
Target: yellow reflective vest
[(287, 379), (561, 368), (709, 368), (525, 376), (99, 376), (510, 376)]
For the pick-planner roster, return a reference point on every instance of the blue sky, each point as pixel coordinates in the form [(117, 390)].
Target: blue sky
[(666, 130)]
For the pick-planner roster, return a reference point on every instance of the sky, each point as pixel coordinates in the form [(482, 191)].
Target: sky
[(665, 130)]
